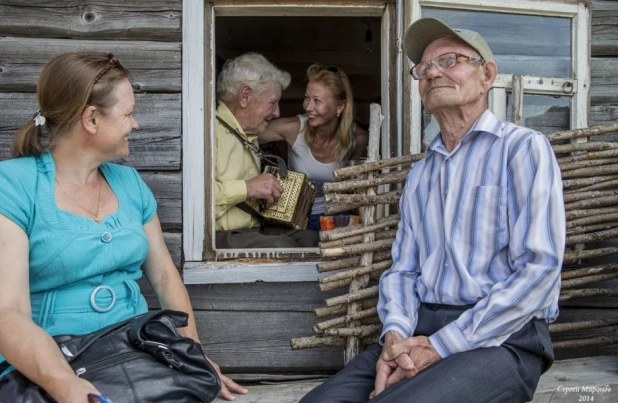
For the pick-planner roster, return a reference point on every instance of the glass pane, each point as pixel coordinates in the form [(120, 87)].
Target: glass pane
[(544, 113), (522, 44)]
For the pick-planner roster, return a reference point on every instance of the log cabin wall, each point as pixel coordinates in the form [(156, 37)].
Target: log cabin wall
[(244, 327)]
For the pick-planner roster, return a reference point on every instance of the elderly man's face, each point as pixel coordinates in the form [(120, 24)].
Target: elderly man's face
[(460, 86), (263, 110)]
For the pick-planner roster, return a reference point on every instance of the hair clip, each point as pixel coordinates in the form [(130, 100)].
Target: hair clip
[(39, 120)]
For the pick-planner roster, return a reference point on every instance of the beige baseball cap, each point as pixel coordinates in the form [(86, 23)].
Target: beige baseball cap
[(426, 30)]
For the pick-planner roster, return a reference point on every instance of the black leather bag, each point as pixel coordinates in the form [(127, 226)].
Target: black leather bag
[(142, 359)]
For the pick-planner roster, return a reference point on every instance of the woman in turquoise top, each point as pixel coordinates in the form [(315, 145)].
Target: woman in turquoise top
[(74, 228)]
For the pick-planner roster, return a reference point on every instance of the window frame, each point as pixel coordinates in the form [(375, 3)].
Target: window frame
[(198, 99), (579, 82)]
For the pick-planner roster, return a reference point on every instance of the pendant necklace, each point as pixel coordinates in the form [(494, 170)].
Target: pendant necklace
[(96, 213)]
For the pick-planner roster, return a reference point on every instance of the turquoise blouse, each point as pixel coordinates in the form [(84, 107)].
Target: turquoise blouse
[(82, 273)]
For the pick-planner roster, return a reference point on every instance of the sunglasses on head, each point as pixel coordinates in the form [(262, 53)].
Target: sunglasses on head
[(111, 62)]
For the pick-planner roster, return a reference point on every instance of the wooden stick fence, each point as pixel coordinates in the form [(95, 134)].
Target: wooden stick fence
[(361, 253)]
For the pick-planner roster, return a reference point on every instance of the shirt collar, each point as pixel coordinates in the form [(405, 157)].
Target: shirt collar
[(224, 113), (487, 122)]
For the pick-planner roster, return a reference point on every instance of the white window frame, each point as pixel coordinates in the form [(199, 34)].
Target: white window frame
[(198, 101), (577, 87)]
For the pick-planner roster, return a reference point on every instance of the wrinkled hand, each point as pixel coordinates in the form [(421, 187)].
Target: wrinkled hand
[(402, 359), (227, 384), (264, 186), (384, 369), (411, 355)]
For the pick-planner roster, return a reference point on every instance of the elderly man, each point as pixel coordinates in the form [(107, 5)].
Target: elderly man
[(476, 262), (249, 88)]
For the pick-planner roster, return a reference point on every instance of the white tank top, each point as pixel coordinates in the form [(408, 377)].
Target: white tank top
[(302, 160)]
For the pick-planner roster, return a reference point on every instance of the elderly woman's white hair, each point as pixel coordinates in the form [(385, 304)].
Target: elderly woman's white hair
[(252, 70)]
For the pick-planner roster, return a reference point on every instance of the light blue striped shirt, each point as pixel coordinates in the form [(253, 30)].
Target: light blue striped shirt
[(484, 225)]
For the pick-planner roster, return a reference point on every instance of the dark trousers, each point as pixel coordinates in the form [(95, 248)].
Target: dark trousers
[(508, 373), (266, 237)]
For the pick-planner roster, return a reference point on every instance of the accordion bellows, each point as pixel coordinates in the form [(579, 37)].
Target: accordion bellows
[(293, 208)]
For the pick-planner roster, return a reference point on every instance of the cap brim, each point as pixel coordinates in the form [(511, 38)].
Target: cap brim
[(421, 33)]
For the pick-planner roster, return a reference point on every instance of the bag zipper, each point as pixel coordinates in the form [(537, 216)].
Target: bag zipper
[(106, 362)]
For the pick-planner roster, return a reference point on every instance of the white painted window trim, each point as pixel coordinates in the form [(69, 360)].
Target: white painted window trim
[(580, 46), (198, 89)]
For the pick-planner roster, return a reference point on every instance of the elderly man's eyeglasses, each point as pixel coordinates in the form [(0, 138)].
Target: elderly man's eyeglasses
[(442, 62)]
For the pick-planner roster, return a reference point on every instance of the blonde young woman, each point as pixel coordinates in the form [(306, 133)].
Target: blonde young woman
[(75, 229), (323, 138)]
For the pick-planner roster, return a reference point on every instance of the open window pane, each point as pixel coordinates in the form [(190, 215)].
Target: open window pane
[(544, 113), (522, 44)]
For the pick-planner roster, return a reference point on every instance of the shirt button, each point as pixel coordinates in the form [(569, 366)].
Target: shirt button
[(443, 299), (106, 237)]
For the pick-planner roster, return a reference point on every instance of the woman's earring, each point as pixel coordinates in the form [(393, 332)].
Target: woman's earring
[(339, 115)]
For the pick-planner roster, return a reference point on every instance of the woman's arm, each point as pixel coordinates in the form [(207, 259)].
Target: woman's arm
[(281, 129), (172, 293), (362, 140), (22, 343)]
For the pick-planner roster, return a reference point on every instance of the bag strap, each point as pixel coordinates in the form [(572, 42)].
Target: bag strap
[(178, 319), (270, 158)]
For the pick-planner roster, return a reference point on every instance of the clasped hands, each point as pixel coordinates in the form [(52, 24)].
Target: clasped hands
[(401, 359)]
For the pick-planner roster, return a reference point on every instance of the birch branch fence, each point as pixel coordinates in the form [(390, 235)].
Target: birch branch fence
[(362, 252)]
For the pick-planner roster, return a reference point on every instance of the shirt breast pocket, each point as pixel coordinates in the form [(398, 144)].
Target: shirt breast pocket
[(481, 218)]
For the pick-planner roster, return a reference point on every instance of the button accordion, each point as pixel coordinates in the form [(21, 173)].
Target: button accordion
[(294, 206)]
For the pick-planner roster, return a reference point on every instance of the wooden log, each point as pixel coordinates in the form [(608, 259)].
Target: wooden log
[(351, 262), (360, 331), (586, 132), (575, 214), (601, 185), (517, 106), (588, 271), (340, 233), (571, 166), (325, 311), (353, 297), (590, 342), (573, 197), (341, 207), (377, 165), (359, 283), (356, 239), (356, 249), (354, 184), (588, 146), (592, 202), (333, 285), (577, 282), (357, 272), (574, 256), (591, 228), (585, 182), (589, 156), (592, 237), (391, 197), (588, 292), (591, 219), (586, 324), (105, 20), (302, 343), (346, 319), (588, 172)]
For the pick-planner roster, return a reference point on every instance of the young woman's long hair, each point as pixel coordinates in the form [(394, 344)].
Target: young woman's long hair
[(338, 83), (67, 84)]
